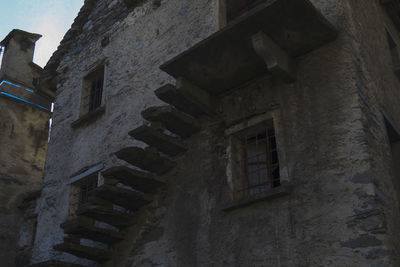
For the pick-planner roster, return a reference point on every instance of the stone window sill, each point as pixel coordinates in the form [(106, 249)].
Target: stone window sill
[(274, 193), (88, 117)]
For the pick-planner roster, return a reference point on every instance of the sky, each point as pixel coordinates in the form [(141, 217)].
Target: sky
[(50, 18)]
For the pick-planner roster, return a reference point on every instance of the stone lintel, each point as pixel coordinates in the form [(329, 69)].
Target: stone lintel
[(278, 62)]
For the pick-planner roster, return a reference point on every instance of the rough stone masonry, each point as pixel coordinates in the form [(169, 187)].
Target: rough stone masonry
[(152, 167)]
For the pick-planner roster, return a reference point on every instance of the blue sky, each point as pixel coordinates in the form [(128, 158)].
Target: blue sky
[(50, 18)]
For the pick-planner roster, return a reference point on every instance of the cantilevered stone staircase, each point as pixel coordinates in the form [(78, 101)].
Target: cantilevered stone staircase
[(217, 67), (168, 128)]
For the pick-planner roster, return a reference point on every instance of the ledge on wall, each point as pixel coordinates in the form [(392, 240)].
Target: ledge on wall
[(228, 58), (274, 193), (88, 117)]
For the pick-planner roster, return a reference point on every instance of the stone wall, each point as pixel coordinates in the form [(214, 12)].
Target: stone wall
[(138, 44), (330, 135), (23, 138)]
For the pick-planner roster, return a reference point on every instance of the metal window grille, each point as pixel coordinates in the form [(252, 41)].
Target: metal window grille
[(96, 92), (88, 185), (261, 163)]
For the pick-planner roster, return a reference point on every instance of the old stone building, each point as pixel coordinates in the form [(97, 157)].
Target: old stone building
[(224, 133), (24, 126)]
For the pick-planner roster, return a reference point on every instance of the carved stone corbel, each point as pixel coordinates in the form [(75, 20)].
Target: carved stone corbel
[(279, 63)]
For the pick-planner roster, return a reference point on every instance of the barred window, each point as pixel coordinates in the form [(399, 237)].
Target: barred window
[(92, 91), (80, 191), (261, 163), (253, 167), (86, 186)]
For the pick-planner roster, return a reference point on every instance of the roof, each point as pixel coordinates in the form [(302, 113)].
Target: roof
[(32, 36)]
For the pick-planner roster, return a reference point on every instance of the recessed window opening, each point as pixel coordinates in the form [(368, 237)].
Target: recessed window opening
[(92, 91), (237, 8), (261, 163), (86, 186), (394, 53), (96, 90)]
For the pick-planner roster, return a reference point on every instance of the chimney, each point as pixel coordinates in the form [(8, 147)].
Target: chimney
[(17, 65)]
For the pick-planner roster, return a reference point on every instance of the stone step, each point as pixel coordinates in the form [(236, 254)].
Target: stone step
[(104, 211), (138, 180), (156, 138), (187, 98), (123, 197), (173, 120), (55, 263), (85, 228), (82, 251), (148, 159)]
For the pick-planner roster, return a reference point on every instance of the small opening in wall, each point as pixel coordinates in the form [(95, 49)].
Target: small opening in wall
[(261, 162), (394, 54), (237, 8), (254, 160), (92, 91), (86, 186)]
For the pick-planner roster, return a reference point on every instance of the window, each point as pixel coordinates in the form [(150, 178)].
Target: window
[(253, 158), (87, 185), (394, 54), (261, 162), (231, 9), (80, 191), (92, 91)]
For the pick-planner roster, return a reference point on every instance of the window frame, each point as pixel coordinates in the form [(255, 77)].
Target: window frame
[(223, 12), (92, 76), (235, 169), (76, 182)]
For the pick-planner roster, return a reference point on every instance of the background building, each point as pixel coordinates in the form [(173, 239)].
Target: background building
[(24, 131), (267, 138)]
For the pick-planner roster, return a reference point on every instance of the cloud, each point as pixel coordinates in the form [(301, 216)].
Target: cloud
[(53, 21), (53, 32), (50, 18)]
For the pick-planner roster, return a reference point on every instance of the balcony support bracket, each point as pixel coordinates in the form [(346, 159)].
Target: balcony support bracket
[(278, 62)]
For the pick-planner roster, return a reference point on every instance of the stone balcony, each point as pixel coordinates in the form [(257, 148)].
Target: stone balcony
[(265, 40)]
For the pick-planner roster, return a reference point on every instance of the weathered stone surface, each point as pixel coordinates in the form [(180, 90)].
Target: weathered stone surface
[(126, 198), (138, 180), (85, 228), (91, 253), (24, 121), (148, 159), (153, 137), (173, 120)]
